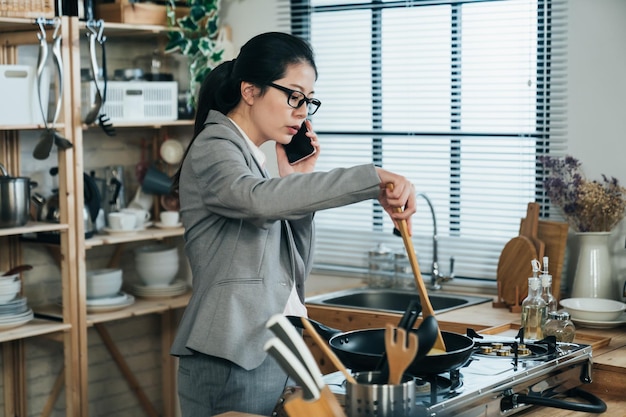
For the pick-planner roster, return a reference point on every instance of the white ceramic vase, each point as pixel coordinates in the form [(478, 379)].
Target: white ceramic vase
[(593, 276)]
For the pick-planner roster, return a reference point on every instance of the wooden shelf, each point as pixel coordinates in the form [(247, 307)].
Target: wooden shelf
[(150, 125), (112, 29), (141, 307), (141, 235), (33, 227), (35, 327), (32, 127)]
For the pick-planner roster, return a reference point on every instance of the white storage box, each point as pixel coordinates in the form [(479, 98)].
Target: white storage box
[(19, 104), (134, 101)]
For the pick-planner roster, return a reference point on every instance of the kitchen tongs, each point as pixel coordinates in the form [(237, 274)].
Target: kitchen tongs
[(94, 33), (50, 136)]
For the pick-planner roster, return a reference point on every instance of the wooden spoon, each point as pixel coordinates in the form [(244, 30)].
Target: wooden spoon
[(327, 350), (427, 308), (399, 354)]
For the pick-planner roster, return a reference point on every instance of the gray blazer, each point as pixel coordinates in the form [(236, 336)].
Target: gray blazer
[(249, 239)]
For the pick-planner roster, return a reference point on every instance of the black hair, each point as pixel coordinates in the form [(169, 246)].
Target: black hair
[(263, 59)]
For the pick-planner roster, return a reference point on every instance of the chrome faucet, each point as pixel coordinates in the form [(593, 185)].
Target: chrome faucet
[(436, 277)]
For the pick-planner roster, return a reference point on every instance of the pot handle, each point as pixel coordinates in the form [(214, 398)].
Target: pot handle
[(595, 404), (326, 332)]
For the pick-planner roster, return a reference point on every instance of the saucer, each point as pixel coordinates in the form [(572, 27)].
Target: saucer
[(162, 226), (118, 305), (594, 324)]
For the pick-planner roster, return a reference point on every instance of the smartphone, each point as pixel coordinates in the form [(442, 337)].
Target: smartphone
[(300, 146)]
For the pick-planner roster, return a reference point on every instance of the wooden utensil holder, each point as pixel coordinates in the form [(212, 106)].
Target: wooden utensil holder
[(326, 406)]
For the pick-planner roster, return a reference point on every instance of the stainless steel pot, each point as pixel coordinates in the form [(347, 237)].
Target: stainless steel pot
[(14, 199)]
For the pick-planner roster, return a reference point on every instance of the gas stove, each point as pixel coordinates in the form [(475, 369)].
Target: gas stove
[(497, 383)]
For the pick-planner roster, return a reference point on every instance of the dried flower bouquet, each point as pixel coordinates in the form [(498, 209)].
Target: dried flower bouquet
[(588, 206)]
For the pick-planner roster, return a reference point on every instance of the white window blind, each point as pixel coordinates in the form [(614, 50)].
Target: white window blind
[(459, 96)]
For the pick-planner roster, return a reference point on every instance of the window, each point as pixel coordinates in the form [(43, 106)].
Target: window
[(459, 96)]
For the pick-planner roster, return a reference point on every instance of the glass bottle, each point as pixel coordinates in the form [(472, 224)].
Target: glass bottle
[(534, 310), (546, 293), (560, 326), (403, 273), (381, 267)]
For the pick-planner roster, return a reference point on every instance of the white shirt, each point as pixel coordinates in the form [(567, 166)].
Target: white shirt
[(294, 306)]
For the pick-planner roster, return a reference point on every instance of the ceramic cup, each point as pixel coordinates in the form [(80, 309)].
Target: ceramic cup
[(141, 215), (156, 182), (122, 221), (169, 218), (142, 200)]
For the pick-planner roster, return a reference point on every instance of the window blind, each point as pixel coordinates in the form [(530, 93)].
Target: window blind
[(461, 97)]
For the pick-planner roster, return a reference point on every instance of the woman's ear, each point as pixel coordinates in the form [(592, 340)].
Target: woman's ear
[(248, 91)]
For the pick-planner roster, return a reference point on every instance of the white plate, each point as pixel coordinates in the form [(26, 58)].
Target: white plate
[(178, 287), (162, 226), (120, 297), (18, 320), (129, 300), (601, 324)]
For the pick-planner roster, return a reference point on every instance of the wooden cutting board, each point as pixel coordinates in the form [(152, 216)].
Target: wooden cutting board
[(515, 263), (529, 228), (514, 268)]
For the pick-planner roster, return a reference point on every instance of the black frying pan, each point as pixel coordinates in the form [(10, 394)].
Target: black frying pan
[(361, 350)]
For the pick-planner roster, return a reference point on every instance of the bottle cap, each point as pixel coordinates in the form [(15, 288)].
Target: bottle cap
[(559, 315)]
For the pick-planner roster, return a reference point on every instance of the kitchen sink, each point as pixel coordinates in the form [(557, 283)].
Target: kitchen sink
[(392, 300)]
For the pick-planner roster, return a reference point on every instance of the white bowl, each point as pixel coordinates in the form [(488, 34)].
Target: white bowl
[(157, 251), (160, 274), (593, 309), (103, 282)]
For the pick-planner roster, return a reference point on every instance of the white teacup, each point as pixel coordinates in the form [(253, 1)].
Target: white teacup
[(170, 218), (141, 215), (122, 221)]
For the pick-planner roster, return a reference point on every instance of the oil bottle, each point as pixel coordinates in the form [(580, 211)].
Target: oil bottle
[(546, 284), (534, 311)]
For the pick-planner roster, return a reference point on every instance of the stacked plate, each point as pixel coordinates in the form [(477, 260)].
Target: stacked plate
[(177, 287), (105, 304), (14, 310)]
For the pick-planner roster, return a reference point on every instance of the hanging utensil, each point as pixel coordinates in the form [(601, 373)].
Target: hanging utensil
[(43, 148), (103, 120), (17, 270), (399, 354), (92, 34), (427, 308), (60, 141)]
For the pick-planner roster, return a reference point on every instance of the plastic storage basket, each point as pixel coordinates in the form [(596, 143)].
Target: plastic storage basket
[(135, 101), (27, 8)]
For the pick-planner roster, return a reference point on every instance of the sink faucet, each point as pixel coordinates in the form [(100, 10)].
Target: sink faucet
[(436, 277)]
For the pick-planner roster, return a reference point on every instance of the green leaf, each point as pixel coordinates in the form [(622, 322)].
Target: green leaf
[(188, 24), (197, 13)]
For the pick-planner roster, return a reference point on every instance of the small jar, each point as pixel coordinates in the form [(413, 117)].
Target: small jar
[(560, 326)]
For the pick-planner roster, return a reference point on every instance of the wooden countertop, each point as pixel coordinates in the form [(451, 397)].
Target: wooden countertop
[(609, 360)]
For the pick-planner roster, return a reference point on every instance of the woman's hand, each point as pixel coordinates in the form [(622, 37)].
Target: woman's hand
[(398, 200), (304, 166)]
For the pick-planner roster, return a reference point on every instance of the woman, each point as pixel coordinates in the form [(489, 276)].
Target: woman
[(249, 237)]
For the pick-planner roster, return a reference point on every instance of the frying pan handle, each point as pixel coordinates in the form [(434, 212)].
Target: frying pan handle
[(595, 405), (326, 332)]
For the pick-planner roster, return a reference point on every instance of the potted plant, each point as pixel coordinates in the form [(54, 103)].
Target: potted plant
[(196, 36)]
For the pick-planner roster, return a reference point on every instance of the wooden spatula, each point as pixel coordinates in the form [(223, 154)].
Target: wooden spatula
[(399, 354), (427, 308)]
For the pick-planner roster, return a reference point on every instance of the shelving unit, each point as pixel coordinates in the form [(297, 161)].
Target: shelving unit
[(15, 32), (68, 321), (166, 308)]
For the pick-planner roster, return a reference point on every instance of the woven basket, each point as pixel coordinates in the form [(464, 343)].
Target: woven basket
[(27, 8)]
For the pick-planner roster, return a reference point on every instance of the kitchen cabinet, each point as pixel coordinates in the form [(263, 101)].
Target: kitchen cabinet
[(68, 321), (15, 32)]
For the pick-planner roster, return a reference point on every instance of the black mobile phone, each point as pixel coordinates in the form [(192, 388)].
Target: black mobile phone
[(300, 146)]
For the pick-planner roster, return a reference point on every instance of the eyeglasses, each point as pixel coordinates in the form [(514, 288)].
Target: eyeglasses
[(296, 98)]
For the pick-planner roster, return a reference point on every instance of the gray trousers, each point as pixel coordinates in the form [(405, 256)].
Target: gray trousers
[(208, 386)]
